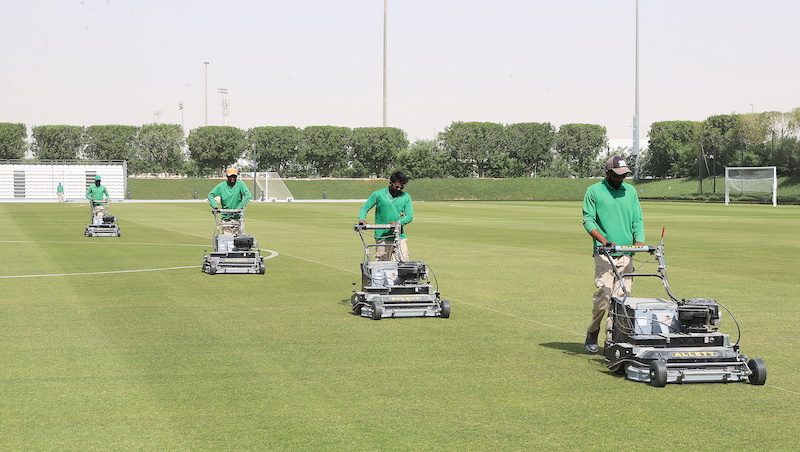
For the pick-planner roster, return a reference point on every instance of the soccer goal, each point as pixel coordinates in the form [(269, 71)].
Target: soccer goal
[(272, 188), (759, 183)]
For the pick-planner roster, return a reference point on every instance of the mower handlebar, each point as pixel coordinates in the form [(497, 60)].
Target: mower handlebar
[(366, 227), (626, 249)]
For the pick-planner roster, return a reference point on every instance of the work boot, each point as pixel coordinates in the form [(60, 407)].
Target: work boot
[(591, 342)]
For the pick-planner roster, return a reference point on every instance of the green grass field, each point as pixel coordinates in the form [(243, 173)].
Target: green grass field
[(175, 359)]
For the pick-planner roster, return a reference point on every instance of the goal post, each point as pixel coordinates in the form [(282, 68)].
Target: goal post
[(759, 182), (272, 188)]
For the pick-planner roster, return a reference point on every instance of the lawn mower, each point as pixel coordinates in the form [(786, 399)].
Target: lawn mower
[(660, 341), (392, 288), (234, 250), (103, 224)]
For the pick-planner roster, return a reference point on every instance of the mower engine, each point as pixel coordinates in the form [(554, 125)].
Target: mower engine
[(243, 243), (698, 315)]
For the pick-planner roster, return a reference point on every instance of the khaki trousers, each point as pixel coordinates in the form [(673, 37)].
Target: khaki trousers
[(387, 251), (98, 212), (606, 288), (230, 227)]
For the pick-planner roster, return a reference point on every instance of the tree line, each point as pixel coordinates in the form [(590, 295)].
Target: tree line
[(463, 149), (703, 148)]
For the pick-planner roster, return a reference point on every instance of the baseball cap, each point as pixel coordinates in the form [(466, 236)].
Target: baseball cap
[(97, 177), (231, 172), (618, 165)]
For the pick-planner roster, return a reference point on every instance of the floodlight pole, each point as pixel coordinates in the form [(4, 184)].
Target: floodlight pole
[(635, 150), (385, 80)]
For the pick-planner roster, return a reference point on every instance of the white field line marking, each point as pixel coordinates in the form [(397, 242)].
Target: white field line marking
[(271, 255), (111, 272), (518, 317), (100, 273), (95, 242), (781, 389)]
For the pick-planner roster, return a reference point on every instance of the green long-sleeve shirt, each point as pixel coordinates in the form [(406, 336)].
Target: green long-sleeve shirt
[(388, 209), (235, 197), (96, 194), (616, 213)]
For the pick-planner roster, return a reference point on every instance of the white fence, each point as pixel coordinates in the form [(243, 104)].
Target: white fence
[(39, 180)]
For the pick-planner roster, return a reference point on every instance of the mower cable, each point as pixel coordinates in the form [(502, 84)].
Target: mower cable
[(738, 330)]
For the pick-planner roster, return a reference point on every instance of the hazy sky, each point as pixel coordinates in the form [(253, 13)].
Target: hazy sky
[(316, 62)]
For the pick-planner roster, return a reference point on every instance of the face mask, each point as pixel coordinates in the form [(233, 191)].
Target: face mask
[(394, 192), (97, 183)]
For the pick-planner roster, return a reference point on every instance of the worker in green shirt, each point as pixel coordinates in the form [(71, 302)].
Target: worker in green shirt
[(60, 192), (231, 194), (612, 216), (98, 199), (392, 206)]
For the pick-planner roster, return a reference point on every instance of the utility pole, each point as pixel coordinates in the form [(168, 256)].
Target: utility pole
[(158, 114), (255, 172), (180, 108), (225, 105)]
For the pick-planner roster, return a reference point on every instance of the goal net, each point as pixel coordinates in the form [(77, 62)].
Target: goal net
[(757, 183), (272, 188)]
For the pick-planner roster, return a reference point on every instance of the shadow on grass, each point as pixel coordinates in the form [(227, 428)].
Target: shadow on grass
[(570, 348), (576, 349)]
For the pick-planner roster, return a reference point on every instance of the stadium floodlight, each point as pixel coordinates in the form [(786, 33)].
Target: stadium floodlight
[(753, 180)]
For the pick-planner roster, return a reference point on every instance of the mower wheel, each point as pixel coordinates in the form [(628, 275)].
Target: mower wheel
[(377, 310), (262, 268), (212, 269), (658, 374), (355, 304), (445, 305), (759, 371)]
